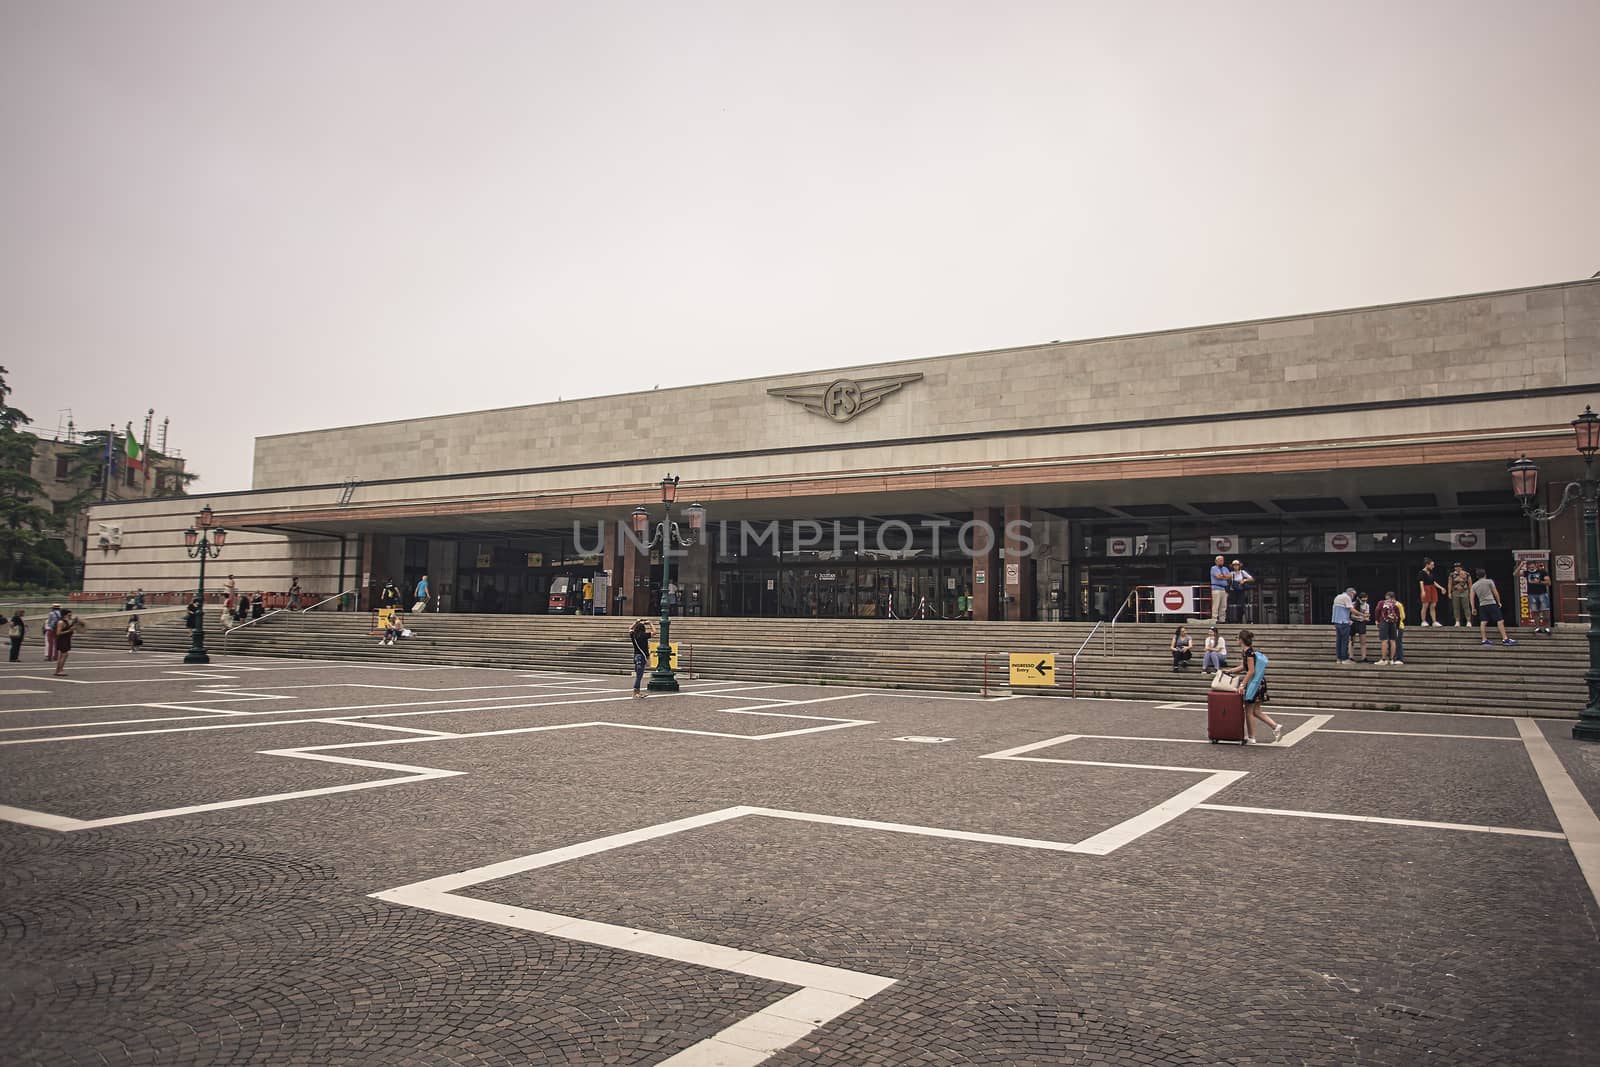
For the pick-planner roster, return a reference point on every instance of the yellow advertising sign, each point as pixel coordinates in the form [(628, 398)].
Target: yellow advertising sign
[(653, 654), (535, 559), (1033, 668)]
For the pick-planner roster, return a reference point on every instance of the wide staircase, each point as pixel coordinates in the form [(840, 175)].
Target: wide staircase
[(1446, 669)]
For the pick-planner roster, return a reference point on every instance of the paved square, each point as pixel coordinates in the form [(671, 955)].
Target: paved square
[(313, 862)]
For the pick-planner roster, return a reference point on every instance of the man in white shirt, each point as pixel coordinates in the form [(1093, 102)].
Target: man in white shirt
[(1344, 606)]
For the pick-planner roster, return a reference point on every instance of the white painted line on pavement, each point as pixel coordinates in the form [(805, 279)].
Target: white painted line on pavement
[(1304, 730), (1338, 817), (1574, 814), (1410, 733), (385, 726)]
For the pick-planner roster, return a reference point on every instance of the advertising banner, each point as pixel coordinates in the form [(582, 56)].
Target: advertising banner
[(1468, 540), (1226, 545), (1527, 555), (1119, 546)]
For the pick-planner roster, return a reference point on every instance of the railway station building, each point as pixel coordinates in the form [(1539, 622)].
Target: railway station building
[(1322, 450)]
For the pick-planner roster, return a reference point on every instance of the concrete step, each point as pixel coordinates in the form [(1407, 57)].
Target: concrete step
[(1447, 670)]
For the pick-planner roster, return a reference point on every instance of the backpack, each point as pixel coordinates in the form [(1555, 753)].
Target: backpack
[(1387, 611)]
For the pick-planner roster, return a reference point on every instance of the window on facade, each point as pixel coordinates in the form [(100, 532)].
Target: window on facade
[(63, 467)]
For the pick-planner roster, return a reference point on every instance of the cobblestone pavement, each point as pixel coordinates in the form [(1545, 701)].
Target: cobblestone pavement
[(190, 864)]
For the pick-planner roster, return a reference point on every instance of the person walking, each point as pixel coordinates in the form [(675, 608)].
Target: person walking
[(1221, 578), (258, 605), (17, 631), (1216, 657), (1182, 648), (294, 594), (588, 596), (65, 627), (50, 621), (1486, 601), (390, 596), (1344, 606), (134, 640), (1429, 590), (639, 640), (1253, 666), (1387, 616), (1461, 595), (421, 603), (191, 613)]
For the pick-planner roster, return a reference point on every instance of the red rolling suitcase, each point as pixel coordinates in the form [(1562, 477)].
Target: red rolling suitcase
[(1225, 716)]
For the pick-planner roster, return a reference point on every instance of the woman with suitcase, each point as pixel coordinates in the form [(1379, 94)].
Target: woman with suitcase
[(1253, 667)]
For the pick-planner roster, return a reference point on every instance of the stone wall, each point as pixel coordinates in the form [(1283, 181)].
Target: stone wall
[(1527, 339)]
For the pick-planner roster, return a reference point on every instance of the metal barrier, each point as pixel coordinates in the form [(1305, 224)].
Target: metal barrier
[(1144, 598)]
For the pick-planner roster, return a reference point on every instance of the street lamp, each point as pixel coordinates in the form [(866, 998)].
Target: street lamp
[(201, 544), (1525, 484), (662, 679)]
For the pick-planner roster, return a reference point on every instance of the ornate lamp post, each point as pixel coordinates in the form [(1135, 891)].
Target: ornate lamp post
[(1525, 484), (663, 679), (201, 544)]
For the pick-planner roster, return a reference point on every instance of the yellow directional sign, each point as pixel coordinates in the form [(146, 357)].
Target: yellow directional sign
[(1033, 668), (654, 645)]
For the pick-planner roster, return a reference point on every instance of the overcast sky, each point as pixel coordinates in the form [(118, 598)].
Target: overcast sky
[(264, 217)]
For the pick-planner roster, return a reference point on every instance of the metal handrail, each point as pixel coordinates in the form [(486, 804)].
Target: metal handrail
[(1112, 630), (250, 622), (325, 600), (1078, 653)]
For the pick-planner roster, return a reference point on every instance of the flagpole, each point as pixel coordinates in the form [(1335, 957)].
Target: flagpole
[(144, 456), (105, 468)]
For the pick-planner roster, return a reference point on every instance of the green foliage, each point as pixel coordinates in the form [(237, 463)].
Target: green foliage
[(23, 523)]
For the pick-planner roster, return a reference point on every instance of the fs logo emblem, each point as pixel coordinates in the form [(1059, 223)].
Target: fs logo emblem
[(845, 398)]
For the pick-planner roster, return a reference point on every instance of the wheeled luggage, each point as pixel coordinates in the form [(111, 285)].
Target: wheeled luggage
[(1225, 716)]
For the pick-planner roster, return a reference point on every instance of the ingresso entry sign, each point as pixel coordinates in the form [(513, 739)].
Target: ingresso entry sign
[(1033, 668)]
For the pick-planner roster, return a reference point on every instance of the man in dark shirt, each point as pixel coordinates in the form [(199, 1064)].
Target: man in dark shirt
[(1538, 593)]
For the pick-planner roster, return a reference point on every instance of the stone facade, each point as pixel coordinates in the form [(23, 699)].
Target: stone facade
[(1499, 343), (1306, 400)]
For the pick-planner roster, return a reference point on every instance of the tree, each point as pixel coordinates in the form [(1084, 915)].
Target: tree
[(22, 522)]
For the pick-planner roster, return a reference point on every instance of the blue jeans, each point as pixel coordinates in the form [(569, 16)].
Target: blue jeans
[(1342, 642), (638, 670), (1214, 661)]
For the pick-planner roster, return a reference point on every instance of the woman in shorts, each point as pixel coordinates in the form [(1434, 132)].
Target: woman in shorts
[(65, 628), (1358, 626), (1254, 669)]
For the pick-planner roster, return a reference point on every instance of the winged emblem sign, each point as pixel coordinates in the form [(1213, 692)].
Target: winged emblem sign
[(844, 398)]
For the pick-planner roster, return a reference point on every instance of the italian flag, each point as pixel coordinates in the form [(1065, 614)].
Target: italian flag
[(135, 453)]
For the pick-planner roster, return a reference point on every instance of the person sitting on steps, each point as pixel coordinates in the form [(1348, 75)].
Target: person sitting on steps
[(1182, 648)]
